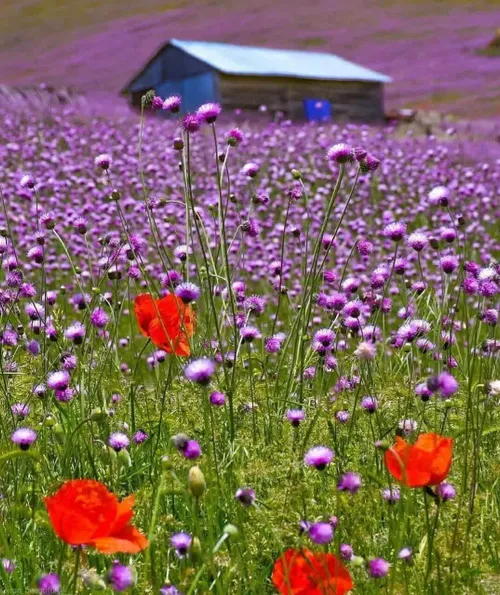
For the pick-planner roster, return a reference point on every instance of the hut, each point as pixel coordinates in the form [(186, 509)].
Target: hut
[(301, 84)]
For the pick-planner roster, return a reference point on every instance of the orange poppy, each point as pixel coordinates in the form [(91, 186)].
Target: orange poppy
[(425, 463), (168, 322), (85, 512), (309, 573)]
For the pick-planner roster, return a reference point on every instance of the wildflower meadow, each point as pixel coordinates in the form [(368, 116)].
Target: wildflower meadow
[(246, 358)]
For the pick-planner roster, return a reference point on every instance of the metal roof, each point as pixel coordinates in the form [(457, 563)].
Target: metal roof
[(259, 61)]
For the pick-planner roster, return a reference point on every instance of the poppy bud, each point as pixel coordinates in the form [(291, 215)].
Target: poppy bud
[(98, 415), (124, 458), (195, 549), (357, 561), (196, 482)]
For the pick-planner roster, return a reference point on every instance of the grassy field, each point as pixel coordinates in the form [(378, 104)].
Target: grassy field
[(320, 287)]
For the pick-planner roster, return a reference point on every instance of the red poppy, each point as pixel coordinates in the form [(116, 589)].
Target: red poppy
[(309, 573), (168, 322), (425, 463), (85, 512)]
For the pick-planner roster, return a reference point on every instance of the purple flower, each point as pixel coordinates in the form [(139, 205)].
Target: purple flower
[(349, 482), (58, 380), (169, 590), (217, 399), (120, 577), (140, 436), (246, 496), (446, 491), (8, 565), (395, 231), (200, 371), (417, 240), (188, 292), (346, 551), (295, 416), (321, 533), (250, 169), (75, 333), (249, 334), (342, 416), (234, 137), (103, 161), (405, 554), (449, 264), (378, 567), (172, 104), (191, 123), (181, 542), (27, 182), (209, 112), (439, 196), (391, 495), (99, 318), (369, 404), (118, 441), (20, 409), (319, 457), (192, 450), (340, 153), (49, 584), (24, 437)]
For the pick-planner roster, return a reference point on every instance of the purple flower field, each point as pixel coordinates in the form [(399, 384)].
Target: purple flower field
[(247, 358), (432, 50)]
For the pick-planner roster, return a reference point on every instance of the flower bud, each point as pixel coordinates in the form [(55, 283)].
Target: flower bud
[(196, 482)]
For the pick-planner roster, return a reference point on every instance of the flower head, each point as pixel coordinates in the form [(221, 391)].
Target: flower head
[(85, 512), (425, 463), (378, 567), (200, 371), (118, 441), (24, 437), (321, 533), (49, 584), (181, 542), (168, 322), (349, 482), (311, 573), (319, 457), (120, 577)]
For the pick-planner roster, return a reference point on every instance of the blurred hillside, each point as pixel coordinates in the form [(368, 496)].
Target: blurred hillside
[(431, 48)]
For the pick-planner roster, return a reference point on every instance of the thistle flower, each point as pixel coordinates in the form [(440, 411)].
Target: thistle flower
[(24, 437), (295, 416), (118, 441), (209, 112), (321, 533), (349, 482), (200, 371), (319, 457), (120, 577), (246, 496), (340, 153), (378, 567), (49, 584), (188, 292), (103, 161), (181, 542), (172, 104)]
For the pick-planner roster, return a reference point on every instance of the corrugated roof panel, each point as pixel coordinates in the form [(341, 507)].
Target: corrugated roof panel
[(255, 61)]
